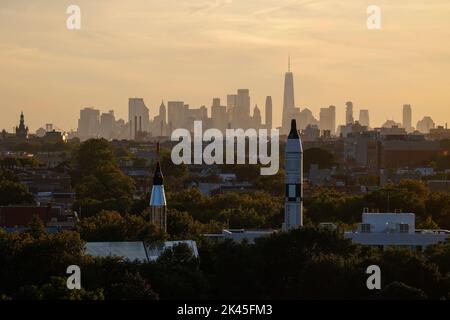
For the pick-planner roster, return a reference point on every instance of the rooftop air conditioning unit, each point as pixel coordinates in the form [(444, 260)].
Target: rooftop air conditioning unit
[(403, 228), (365, 227)]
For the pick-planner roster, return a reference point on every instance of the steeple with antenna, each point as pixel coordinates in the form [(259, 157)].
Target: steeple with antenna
[(22, 130)]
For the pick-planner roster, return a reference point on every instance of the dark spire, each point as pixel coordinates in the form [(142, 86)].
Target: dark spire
[(158, 177), (293, 134)]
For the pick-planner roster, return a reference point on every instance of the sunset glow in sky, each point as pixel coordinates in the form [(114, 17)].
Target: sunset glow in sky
[(194, 50)]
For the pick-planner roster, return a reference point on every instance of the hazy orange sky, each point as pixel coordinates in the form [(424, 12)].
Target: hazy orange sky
[(194, 50)]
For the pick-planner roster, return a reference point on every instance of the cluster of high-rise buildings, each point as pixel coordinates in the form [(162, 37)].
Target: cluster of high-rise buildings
[(237, 112), (177, 114)]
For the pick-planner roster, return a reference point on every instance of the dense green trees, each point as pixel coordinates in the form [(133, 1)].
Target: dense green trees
[(317, 264), (12, 191), (177, 275), (11, 163), (307, 263), (415, 271), (100, 185), (181, 226), (440, 255), (438, 207), (431, 209), (400, 291), (112, 226), (56, 289), (32, 258), (302, 264), (256, 210), (174, 175), (35, 145), (98, 181)]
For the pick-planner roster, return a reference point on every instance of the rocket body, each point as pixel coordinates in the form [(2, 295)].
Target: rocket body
[(293, 205)]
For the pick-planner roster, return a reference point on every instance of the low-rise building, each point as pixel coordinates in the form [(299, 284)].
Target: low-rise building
[(16, 218), (408, 151), (394, 230)]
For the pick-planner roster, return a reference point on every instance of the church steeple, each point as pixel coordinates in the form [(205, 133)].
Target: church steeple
[(22, 130)]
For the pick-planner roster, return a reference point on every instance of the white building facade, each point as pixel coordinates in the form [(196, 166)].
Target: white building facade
[(394, 230)]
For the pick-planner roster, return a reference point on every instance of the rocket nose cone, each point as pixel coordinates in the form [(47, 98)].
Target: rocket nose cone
[(293, 134), (158, 176)]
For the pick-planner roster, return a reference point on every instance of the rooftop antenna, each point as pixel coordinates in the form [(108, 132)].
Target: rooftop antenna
[(289, 63)]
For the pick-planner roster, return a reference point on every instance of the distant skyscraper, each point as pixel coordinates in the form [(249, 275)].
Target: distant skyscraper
[(180, 115), (293, 204), (241, 115), (158, 205), (407, 118), (88, 124), (216, 102), (192, 115), (268, 111), (219, 116), (231, 105), (175, 113), (288, 99), (48, 127), (310, 133), (138, 117), (364, 117), (256, 118), (333, 119), (304, 118), (327, 120), (158, 127), (349, 113), (162, 113), (107, 122), (425, 125), (391, 124), (231, 101)]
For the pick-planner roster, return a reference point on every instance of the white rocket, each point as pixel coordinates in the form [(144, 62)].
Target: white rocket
[(158, 206), (293, 204)]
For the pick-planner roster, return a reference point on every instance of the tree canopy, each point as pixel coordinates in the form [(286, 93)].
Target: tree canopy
[(96, 176)]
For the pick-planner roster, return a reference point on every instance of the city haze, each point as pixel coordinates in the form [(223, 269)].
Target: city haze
[(196, 50)]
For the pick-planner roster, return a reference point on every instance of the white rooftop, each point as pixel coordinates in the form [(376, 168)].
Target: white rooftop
[(131, 251), (135, 250), (394, 229), (388, 222)]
